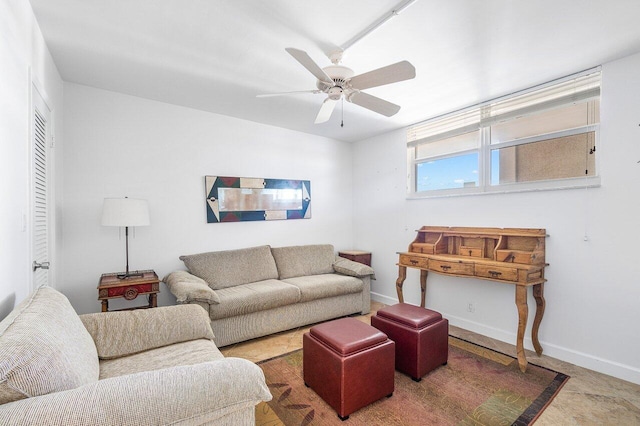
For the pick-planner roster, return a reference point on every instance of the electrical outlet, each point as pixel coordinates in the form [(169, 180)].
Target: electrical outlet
[(471, 307)]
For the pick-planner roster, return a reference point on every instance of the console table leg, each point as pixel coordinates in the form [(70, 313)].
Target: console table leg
[(523, 312), (402, 275), (538, 294), (423, 286)]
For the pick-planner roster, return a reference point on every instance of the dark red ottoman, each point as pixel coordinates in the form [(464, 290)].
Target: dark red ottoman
[(348, 363), (421, 336)]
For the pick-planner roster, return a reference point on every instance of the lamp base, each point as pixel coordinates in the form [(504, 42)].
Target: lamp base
[(128, 275)]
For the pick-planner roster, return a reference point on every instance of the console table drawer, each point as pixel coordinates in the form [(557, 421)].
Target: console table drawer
[(414, 261), (427, 248), (497, 272), (456, 268), (471, 251)]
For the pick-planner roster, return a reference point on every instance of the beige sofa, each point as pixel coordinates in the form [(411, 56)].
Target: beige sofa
[(144, 367), (257, 291)]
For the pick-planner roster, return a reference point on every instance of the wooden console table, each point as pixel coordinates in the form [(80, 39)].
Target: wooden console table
[(508, 255)]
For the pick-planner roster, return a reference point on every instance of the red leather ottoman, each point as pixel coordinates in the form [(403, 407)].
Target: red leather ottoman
[(421, 336), (348, 363)]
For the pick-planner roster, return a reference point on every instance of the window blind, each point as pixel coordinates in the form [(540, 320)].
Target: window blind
[(575, 88)]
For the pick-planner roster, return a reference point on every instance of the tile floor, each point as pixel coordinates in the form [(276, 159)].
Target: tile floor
[(588, 398)]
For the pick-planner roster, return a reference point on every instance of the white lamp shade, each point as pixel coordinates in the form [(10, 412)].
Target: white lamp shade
[(125, 212)]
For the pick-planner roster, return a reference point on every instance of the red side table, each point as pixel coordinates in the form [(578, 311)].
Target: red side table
[(112, 287), (357, 256)]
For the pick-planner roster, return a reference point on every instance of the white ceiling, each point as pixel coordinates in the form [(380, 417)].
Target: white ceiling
[(217, 55)]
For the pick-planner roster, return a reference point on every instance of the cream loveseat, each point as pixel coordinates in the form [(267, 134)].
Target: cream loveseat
[(144, 367), (257, 291)]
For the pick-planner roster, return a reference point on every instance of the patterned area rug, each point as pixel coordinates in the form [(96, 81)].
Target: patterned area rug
[(478, 386)]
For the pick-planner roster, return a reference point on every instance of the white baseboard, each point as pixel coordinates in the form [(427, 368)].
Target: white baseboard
[(383, 299), (581, 359), (604, 366)]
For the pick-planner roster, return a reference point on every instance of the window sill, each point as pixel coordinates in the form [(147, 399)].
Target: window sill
[(550, 185)]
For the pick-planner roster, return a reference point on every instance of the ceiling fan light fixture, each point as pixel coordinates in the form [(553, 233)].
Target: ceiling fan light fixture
[(335, 93), (338, 73)]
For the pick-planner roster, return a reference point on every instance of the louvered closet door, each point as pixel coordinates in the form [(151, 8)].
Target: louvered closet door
[(40, 190)]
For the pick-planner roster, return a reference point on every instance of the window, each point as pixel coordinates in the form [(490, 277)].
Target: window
[(541, 138)]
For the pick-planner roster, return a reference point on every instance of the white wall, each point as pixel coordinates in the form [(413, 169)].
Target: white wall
[(592, 293), (23, 57), (118, 145)]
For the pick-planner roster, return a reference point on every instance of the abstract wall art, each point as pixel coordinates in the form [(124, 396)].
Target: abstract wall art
[(237, 199)]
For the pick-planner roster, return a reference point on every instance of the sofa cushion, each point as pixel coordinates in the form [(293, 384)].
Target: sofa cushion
[(185, 353), (326, 285), (222, 269), (298, 261), (254, 297), (155, 328), (44, 348)]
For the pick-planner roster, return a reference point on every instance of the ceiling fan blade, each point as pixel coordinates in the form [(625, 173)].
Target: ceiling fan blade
[(374, 104), (325, 111), (306, 61), (268, 95), (390, 74)]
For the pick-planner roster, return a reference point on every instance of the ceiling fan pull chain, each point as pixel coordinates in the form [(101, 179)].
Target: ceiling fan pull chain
[(342, 117)]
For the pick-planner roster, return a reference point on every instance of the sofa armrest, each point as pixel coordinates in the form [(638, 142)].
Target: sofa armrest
[(124, 333), (193, 394), (188, 288), (349, 267)]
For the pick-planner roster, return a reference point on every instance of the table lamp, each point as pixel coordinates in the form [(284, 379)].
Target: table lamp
[(125, 212)]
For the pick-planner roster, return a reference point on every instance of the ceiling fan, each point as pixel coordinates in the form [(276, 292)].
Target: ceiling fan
[(339, 82)]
